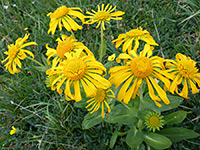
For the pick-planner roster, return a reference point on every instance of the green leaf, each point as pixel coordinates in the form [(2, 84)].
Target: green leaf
[(81, 104), (122, 133), (176, 117), (122, 115), (176, 134), (90, 120), (134, 137), (149, 104), (113, 139), (157, 141)]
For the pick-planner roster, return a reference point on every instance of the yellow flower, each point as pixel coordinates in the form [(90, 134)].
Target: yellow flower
[(65, 45), (15, 53), (99, 99), (112, 57), (134, 35), (13, 131), (154, 121), (61, 17), (103, 15), (79, 71), (183, 71), (138, 69)]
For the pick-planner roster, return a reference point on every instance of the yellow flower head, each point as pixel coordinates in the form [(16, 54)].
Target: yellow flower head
[(103, 15), (15, 53), (134, 35), (138, 69), (79, 71), (65, 45), (112, 57), (13, 131), (183, 71), (154, 121), (63, 17), (99, 99)]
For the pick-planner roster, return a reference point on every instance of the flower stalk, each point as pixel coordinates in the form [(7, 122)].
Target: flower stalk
[(37, 62), (102, 46)]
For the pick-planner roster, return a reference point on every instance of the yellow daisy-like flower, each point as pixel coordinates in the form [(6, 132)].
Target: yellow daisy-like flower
[(65, 45), (183, 71), (133, 35), (154, 121), (138, 69), (103, 15), (112, 57), (77, 71), (99, 99), (15, 53), (13, 131), (63, 17)]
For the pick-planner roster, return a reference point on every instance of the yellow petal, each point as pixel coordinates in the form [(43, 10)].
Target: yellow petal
[(174, 84), (88, 87), (78, 97), (129, 93), (151, 91), (124, 88), (193, 86), (160, 91)]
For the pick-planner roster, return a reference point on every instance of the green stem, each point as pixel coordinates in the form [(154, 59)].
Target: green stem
[(36, 62), (139, 124), (141, 96), (101, 50)]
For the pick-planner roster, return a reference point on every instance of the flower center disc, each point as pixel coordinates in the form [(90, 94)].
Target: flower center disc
[(186, 68), (12, 52), (134, 33), (63, 47), (141, 67), (74, 69), (60, 12), (100, 95), (102, 15), (154, 121)]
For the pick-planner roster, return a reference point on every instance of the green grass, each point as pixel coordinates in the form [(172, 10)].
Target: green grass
[(45, 119)]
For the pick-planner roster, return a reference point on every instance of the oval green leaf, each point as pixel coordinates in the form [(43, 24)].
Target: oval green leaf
[(176, 117), (122, 115), (90, 120), (157, 141), (134, 137), (149, 104), (176, 134)]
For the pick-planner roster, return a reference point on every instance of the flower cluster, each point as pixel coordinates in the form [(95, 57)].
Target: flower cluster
[(75, 70)]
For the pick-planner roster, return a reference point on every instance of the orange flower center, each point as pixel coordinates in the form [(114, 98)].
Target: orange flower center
[(12, 52), (60, 12), (141, 67), (135, 33), (74, 69), (154, 121), (102, 15), (186, 68), (100, 95), (63, 47)]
